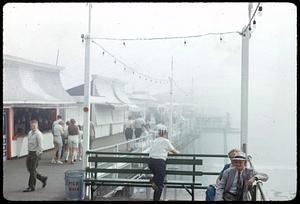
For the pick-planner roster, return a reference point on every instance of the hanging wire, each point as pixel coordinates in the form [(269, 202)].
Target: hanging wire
[(251, 18), (125, 65), (166, 38)]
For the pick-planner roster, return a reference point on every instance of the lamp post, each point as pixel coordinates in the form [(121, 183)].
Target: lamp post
[(244, 83), (87, 91)]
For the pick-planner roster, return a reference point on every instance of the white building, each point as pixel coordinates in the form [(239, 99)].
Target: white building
[(109, 105), (31, 90)]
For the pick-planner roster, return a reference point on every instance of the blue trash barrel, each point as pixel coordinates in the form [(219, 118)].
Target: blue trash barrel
[(74, 188)]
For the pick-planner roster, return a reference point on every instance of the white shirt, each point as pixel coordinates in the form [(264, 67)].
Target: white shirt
[(138, 123), (58, 130), (129, 124), (160, 148), (35, 141), (233, 188)]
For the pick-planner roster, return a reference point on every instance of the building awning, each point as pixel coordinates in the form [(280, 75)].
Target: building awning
[(27, 83), (104, 89), (134, 108)]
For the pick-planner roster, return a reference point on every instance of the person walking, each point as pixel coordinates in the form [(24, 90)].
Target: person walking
[(138, 126), (157, 161), (73, 134), (129, 131), (58, 142), (35, 150)]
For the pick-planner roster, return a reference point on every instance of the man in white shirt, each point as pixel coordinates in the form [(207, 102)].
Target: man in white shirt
[(157, 161), (35, 151)]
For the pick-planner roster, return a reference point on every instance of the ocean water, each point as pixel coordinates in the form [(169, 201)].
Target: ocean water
[(266, 157)]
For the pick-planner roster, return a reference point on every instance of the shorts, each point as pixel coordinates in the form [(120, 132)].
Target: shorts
[(73, 141), (128, 133), (57, 140)]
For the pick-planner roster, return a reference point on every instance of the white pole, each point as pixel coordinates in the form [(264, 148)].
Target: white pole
[(87, 91), (57, 57), (244, 85), (171, 102)]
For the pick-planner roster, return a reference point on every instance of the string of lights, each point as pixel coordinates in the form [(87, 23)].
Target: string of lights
[(166, 38), (126, 67), (259, 8)]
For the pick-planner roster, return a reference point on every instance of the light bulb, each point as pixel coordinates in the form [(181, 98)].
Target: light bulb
[(259, 11)]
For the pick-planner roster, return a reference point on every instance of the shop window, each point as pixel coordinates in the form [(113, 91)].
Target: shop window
[(22, 117)]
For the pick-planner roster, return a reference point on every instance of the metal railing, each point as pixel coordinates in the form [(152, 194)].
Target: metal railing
[(138, 145), (256, 186)]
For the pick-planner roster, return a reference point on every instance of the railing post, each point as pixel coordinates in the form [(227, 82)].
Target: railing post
[(194, 170), (254, 190)]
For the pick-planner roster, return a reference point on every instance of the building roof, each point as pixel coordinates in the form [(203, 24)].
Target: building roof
[(141, 96), (28, 82), (107, 91)]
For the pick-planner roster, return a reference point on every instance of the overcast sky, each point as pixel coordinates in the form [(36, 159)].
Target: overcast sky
[(36, 31)]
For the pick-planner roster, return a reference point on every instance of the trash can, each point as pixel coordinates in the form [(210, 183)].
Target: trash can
[(74, 188)]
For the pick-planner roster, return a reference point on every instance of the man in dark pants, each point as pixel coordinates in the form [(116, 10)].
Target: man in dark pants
[(138, 124), (157, 161), (34, 155)]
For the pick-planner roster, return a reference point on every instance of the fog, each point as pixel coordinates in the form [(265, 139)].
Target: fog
[(36, 31)]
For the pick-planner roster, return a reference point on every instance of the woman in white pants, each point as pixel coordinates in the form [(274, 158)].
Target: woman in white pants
[(73, 134), (57, 141)]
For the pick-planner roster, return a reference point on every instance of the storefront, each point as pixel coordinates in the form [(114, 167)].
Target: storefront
[(28, 93)]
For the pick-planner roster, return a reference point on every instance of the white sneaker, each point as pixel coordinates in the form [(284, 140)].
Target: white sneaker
[(59, 162), (53, 161), (80, 158)]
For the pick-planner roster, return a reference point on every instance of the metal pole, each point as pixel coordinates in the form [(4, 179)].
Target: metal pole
[(171, 102), (244, 85), (57, 57), (86, 114)]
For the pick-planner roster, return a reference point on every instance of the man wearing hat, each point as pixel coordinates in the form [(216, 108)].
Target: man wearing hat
[(157, 161), (237, 180)]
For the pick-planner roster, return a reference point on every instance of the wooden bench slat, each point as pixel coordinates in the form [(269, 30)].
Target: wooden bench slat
[(142, 171), (108, 180), (144, 160)]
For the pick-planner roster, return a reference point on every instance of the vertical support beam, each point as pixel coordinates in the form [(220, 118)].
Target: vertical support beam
[(87, 91), (244, 90), (194, 170), (244, 85), (171, 102)]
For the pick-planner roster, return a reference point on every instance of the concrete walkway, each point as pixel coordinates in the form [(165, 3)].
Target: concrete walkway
[(15, 175)]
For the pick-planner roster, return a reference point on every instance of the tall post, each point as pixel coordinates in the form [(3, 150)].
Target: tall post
[(244, 84), (171, 102), (87, 91), (57, 57)]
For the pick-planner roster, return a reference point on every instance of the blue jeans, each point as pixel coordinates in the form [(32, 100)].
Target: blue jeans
[(210, 193)]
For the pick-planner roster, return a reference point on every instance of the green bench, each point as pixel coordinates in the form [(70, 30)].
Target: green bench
[(139, 166)]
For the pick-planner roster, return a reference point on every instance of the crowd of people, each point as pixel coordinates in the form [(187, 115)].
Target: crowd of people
[(68, 139)]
